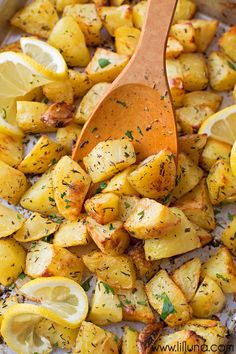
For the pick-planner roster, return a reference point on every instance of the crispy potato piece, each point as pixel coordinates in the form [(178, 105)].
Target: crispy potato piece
[(185, 34), (204, 235), (114, 156), (205, 31), (45, 260), (120, 185), (192, 145), (194, 69), (203, 99), (105, 65), (40, 197), (227, 42), (59, 91), (228, 237), (148, 336), (187, 277), (214, 333), (68, 38), (129, 341), (11, 149), (173, 48), (87, 17), (105, 305), (117, 271), (89, 102), (35, 228), (168, 300), (126, 40), (208, 300), (175, 81), (188, 176), (221, 268), (145, 269), (197, 206), (37, 18), (155, 176), (185, 10), (222, 71), (191, 118), (44, 154), (12, 260), (80, 82), (103, 207), (134, 303), (61, 4), (114, 17), (213, 151), (220, 182), (70, 185), (117, 2), (150, 219), (72, 233), (67, 136), (126, 206), (13, 183), (10, 221), (180, 240), (91, 336), (139, 12), (28, 117)]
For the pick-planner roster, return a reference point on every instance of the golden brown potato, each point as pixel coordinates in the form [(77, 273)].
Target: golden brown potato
[(120, 185), (192, 145), (175, 81), (139, 12), (227, 42), (222, 71), (205, 31), (11, 149), (104, 208), (87, 17), (80, 82), (187, 277), (105, 65), (68, 38), (111, 238), (197, 206), (129, 341), (228, 235), (173, 48), (117, 271), (126, 40), (204, 235), (59, 91), (213, 151), (194, 69), (70, 185), (114, 17), (67, 136), (126, 206), (150, 219), (185, 10), (135, 305), (185, 34), (10, 221), (45, 260), (203, 99), (168, 300), (61, 4), (12, 260), (37, 18), (191, 118), (221, 268)]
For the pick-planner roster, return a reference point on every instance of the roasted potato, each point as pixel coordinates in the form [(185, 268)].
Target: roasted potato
[(191, 118), (194, 70), (114, 17), (68, 38), (117, 2), (221, 268), (222, 71), (120, 185), (70, 185), (203, 99), (117, 271), (10, 221), (168, 300), (150, 219), (181, 239), (35, 228), (173, 48), (192, 145), (213, 151), (227, 42), (37, 18), (175, 81), (104, 208), (185, 34), (105, 307), (80, 82), (205, 31), (11, 149), (185, 10), (67, 136), (59, 91), (105, 65), (228, 237), (126, 205), (45, 260), (12, 260), (204, 235), (139, 12), (126, 40), (187, 277), (129, 341)]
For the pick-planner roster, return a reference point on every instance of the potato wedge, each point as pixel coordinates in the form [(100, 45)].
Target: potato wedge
[(191, 118), (213, 151), (150, 219), (12, 260), (173, 48), (104, 208), (204, 235), (175, 81), (114, 17), (205, 31), (118, 272), (61, 4), (183, 238), (185, 35), (105, 65), (105, 305), (185, 10), (126, 40), (10, 221), (80, 82), (203, 99), (129, 341), (221, 268), (11, 149), (120, 185), (227, 42), (195, 72), (67, 136), (59, 91), (228, 237), (45, 260), (139, 12), (70, 185), (35, 228), (37, 18), (68, 38), (168, 300), (116, 155), (222, 72), (126, 206), (187, 277), (192, 145)]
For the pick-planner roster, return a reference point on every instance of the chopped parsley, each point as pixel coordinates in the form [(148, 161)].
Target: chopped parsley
[(111, 227), (129, 134), (107, 288), (230, 216), (102, 186), (86, 284), (141, 214), (232, 65), (220, 276), (167, 307), (103, 62)]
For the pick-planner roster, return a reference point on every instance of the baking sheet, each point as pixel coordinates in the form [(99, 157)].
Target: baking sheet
[(228, 317)]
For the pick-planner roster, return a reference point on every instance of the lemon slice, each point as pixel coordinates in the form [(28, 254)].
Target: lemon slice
[(65, 299), (18, 329), (233, 159), (221, 125)]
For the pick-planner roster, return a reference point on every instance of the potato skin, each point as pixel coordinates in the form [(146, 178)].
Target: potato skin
[(175, 81), (11, 150), (185, 34), (173, 48), (227, 42), (228, 236), (126, 40), (129, 341)]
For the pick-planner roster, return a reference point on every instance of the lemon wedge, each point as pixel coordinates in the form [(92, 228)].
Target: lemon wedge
[(221, 125), (233, 159), (65, 300)]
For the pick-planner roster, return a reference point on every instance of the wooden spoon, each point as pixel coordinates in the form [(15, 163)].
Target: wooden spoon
[(138, 103)]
